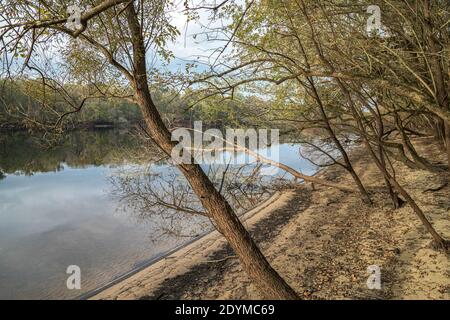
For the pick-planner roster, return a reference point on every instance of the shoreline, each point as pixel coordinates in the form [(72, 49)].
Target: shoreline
[(166, 255), (321, 241)]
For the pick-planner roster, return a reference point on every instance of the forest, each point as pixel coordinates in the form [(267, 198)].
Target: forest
[(23, 98), (363, 86)]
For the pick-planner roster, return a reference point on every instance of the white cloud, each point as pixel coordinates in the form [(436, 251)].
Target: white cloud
[(192, 42)]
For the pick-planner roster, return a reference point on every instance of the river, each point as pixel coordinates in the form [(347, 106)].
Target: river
[(58, 208)]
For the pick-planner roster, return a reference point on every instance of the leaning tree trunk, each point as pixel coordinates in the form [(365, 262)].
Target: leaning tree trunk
[(447, 141), (421, 163), (348, 165), (439, 74), (440, 241), (396, 201), (269, 282)]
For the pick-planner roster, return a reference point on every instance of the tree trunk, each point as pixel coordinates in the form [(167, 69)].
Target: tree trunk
[(421, 162), (439, 75), (348, 165), (396, 201), (226, 221), (447, 141), (440, 241), (269, 282)]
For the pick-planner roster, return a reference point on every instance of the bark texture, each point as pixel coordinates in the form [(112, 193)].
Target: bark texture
[(270, 283)]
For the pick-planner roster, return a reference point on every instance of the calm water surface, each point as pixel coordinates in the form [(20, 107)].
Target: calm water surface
[(57, 209)]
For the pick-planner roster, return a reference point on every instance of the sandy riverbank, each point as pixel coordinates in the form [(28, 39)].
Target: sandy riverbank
[(321, 241)]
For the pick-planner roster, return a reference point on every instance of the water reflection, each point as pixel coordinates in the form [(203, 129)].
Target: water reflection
[(22, 154), (58, 208)]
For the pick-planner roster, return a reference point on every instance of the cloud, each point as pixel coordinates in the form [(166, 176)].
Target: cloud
[(193, 44)]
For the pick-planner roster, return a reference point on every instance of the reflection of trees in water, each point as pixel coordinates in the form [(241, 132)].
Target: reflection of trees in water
[(19, 152), (163, 196), (160, 195), (155, 193)]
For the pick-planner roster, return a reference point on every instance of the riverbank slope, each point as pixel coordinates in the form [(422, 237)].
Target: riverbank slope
[(321, 240)]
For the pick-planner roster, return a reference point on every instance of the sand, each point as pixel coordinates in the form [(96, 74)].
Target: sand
[(321, 240)]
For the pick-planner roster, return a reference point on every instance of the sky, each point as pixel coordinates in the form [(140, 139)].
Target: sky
[(185, 47), (191, 45)]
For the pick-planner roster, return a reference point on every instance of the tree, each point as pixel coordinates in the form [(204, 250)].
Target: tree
[(112, 46), (378, 80)]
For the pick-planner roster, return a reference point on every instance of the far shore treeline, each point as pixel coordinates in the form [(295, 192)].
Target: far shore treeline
[(25, 97)]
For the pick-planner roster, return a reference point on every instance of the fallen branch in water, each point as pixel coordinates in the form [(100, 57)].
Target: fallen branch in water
[(233, 147)]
